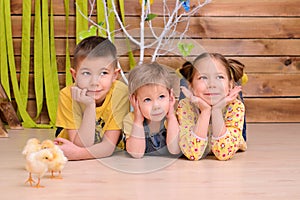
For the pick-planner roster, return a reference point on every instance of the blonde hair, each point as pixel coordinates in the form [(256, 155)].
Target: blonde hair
[(147, 74)]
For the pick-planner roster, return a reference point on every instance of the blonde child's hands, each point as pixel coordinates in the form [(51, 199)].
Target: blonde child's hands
[(199, 102), (232, 95), (138, 116), (172, 103), (80, 95)]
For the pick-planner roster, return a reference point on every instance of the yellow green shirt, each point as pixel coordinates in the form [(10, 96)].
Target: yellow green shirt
[(109, 115)]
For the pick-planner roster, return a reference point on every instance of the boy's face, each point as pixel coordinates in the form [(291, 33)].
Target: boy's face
[(96, 75), (210, 81), (154, 101)]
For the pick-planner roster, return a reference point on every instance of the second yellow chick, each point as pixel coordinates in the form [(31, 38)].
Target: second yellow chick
[(59, 160)]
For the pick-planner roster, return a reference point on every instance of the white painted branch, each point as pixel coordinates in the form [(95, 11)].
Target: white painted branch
[(142, 29), (88, 19), (106, 20), (122, 26)]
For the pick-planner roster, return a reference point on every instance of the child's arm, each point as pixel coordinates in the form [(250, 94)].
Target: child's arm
[(193, 126), (226, 146), (99, 150), (84, 136), (135, 143), (172, 128), (218, 124), (201, 127)]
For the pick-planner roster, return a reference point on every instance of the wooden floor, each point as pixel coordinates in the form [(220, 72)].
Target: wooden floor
[(270, 169)]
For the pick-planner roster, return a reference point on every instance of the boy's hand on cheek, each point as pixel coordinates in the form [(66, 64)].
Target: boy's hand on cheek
[(80, 95)]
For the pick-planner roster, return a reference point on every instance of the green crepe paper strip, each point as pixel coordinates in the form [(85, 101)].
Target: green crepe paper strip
[(27, 121), (132, 62), (81, 22), (111, 19), (69, 80), (50, 91), (3, 53), (52, 105), (38, 59), (101, 17), (25, 51)]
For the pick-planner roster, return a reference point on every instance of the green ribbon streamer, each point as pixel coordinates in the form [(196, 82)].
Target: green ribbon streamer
[(3, 53), (27, 121), (38, 59), (69, 79), (25, 51), (101, 17), (81, 22), (111, 19), (52, 104), (48, 66)]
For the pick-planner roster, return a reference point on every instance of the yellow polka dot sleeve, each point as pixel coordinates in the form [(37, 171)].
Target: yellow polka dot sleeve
[(192, 146), (226, 146)]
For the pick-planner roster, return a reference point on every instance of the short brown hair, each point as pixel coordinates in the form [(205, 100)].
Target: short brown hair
[(94, 46)]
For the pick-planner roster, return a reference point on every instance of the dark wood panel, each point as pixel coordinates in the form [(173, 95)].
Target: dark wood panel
[(230, 8), (228, 47), (272, 85), (215, 8), (264, 65), (199, 27), (273, 110), (262, 34), (259, 85), (58, 7)]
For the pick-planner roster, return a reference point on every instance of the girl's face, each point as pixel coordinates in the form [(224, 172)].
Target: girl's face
[(154, 101), (210, 82), (96, 75)]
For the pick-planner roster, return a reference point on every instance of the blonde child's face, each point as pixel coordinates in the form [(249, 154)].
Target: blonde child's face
[(210, 82), (96, 75), (154, 101)]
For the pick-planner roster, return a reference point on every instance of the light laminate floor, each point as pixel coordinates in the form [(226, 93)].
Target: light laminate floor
[(270, 169)]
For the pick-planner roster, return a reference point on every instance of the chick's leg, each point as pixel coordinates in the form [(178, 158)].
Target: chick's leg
[(38, 184), (56, 177), (30, 180)]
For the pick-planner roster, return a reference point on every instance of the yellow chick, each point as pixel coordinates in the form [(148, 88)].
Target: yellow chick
[(37, 163), (32, 145), (59, 160)]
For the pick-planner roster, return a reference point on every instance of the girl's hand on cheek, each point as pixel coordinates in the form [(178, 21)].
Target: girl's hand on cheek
[(80, 95), (199, 102), (232, 95), (138, 116)]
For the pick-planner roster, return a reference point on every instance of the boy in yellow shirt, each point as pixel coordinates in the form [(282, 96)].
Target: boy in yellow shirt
[(90, 112)]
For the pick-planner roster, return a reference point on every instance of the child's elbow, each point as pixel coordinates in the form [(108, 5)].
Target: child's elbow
[(136, 155), (110, 152), (174, 151)]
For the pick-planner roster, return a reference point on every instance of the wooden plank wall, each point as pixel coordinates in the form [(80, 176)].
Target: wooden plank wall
[(263, 34)]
